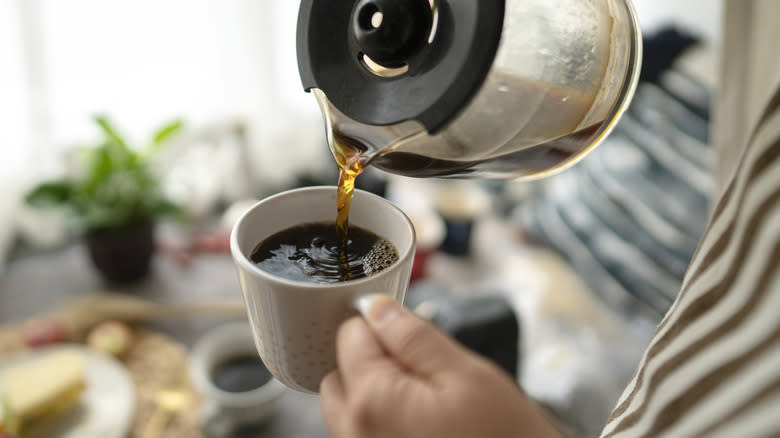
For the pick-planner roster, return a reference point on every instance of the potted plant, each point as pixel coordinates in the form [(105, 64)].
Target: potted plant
[(116, 200)]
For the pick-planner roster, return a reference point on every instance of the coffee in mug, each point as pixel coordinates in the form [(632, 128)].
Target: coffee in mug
[(240, 373), (311, 252)]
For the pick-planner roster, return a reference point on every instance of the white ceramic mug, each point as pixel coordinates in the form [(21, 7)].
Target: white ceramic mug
[(223, 412), (295, 323)]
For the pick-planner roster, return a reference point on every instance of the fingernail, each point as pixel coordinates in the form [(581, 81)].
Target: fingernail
[(383, 310), (378, 309)]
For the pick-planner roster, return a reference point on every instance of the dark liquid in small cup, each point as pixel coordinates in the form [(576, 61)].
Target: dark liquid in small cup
[(240, 373), (311, 252)]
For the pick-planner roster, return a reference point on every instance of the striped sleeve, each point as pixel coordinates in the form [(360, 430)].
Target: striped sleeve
[(629, 218), (712, 368)]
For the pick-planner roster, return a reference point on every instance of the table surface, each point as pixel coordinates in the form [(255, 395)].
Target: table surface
[(35, 283), (543, 290)]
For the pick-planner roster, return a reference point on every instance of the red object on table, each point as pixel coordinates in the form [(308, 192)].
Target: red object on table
[(41, 332), (213, 243), (418, 265)]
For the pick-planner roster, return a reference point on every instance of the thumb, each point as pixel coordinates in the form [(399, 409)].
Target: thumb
[(414, 343)]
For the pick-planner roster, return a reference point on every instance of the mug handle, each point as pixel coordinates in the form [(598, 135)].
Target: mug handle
[(486, 325)]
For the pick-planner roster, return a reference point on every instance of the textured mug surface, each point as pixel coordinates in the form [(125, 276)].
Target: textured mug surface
[(295, 323)]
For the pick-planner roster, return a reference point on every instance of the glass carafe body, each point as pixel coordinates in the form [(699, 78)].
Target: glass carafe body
[(564, 72)]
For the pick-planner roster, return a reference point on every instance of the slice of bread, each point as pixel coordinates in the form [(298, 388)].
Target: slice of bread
[(41, 389)]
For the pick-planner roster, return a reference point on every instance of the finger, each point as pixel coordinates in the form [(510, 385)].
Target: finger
[(332, 401), (359, 352), (414, 343)]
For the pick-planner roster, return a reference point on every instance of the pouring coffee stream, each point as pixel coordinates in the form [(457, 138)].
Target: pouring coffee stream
[(477, 89), (351, 164)]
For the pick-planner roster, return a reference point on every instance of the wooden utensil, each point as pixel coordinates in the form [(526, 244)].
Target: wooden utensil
[(85, 312)]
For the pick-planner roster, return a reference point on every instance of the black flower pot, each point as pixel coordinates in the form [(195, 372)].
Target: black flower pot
[(122, 255)]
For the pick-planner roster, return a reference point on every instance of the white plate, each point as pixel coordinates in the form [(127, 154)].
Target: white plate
[(107, 406)]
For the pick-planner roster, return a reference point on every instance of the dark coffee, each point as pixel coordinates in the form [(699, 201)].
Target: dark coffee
[(240, 374), (311, 252)]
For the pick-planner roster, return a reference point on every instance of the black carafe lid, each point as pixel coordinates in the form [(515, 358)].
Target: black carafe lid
[(438, 57)]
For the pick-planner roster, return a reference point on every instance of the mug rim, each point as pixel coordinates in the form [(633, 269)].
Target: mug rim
[(241, 259), (200, 365)]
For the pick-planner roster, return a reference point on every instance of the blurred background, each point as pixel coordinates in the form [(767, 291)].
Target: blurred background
[(144, 62), (207, 96)]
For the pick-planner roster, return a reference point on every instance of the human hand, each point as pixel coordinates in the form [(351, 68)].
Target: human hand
[(400, 377)]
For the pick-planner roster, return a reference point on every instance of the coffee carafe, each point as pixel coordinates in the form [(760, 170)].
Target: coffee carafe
[(469, 88)]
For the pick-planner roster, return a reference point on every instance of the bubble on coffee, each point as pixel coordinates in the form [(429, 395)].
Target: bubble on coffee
[(310, 253), (381, 257)]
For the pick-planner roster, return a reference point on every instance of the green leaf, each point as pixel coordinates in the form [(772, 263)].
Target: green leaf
[(102, 216), (122, 158), (101, 167), (109, 131), (118, 186), (50, 194), (167, 131), (167, 208)]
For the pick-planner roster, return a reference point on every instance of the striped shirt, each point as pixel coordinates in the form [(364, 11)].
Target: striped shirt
[(712, 369), (630, 216)]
